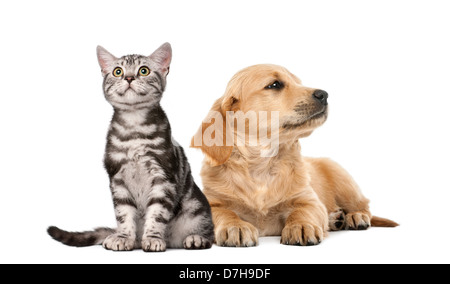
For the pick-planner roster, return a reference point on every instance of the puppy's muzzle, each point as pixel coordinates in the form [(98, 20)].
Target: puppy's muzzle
[(321, 96)]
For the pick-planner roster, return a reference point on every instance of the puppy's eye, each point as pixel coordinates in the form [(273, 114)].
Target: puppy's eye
[(277, 85), (118, 72), (144, 71)]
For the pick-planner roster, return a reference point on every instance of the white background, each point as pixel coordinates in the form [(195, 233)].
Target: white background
[(385, 64)]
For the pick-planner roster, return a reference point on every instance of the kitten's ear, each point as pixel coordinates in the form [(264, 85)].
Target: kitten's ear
[(105, 59), (163, 57)]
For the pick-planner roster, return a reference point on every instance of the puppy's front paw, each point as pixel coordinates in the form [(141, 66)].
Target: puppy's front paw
[(239, 234), (302, 235), (357, 221), (119, 242), (153, 245)]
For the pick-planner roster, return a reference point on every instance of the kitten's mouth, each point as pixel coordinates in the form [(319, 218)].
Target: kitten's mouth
[(129, 90)]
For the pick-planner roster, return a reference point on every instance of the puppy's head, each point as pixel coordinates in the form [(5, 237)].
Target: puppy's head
[(277, 101)]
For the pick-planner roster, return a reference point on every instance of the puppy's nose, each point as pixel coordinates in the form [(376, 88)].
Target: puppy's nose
[(321, 96), (129, 79)]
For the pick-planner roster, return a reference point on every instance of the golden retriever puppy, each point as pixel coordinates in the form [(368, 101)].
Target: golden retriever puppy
[(261, 185)]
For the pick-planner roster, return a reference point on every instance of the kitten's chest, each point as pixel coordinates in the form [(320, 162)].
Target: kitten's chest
[(140, 167), (135, 176), (137, 142), (139, 175), (136, 160)]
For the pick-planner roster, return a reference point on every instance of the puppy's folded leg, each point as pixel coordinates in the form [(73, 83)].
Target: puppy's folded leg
[(307, 225), (359, 220), (336, 220), (231, 231)]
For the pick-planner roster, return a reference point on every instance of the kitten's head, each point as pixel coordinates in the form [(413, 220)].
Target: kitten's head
[(135, 81)]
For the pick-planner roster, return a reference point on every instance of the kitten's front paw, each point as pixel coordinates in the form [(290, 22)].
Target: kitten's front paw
[(196, 242), (119, 242), (153, 245)]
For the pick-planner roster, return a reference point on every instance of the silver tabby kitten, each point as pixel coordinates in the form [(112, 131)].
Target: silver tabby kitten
[(156, 200)]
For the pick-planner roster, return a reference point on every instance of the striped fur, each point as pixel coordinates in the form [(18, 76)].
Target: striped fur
[(84, 239), (157, 203)]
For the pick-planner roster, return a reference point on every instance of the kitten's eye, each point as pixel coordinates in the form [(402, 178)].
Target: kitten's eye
[(144, 71), (277, 85), (118, 72)]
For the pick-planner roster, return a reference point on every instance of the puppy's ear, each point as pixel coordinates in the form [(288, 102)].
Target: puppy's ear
[(214, 138)]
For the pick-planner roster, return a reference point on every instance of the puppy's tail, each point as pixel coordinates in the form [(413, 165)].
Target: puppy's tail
[(382, 222), (80, 239)]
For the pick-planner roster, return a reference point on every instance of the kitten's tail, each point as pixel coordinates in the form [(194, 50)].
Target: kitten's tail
[(80, 239)]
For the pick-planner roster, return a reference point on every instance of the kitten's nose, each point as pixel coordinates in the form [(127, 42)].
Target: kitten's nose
[(129, 79)]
